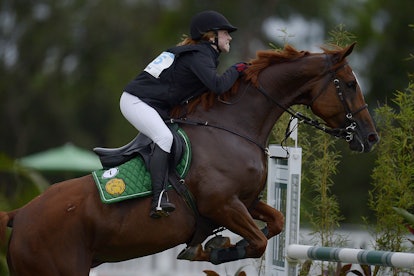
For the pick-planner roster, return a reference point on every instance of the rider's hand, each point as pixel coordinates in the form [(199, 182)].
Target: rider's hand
[(240, 67)]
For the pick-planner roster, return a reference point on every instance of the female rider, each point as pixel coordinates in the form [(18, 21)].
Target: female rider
[(175, 76)]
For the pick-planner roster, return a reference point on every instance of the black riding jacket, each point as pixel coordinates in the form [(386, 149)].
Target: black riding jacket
[(193, 72)]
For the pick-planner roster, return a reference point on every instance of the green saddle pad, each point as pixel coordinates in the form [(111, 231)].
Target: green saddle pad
[(132, 179)]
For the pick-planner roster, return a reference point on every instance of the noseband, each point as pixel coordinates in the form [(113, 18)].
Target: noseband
[(347, 133)]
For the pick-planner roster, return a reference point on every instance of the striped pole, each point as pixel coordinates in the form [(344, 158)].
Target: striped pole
[(348, 255)]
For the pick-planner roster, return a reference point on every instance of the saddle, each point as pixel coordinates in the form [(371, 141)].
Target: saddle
[(134, 159), (140, 145)]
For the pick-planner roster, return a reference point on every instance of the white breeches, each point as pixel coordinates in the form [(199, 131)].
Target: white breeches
[(146, 120)]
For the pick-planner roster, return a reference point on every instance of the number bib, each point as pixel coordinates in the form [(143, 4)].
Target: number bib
[(159, 64)]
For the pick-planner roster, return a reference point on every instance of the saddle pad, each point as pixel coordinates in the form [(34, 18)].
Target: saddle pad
[(132, 179)]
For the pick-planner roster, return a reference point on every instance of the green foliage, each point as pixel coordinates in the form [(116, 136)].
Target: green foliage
[(325, 214), (322, 208), (393, 174), (340, 36)]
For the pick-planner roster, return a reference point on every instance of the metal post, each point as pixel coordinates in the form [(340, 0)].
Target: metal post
[(283, 193)]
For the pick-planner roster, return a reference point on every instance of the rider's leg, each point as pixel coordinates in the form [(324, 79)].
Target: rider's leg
[(147, 120)]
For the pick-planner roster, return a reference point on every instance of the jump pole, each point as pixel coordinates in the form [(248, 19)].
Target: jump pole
[(297, 252)]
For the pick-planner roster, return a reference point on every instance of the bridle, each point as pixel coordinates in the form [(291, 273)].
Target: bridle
[(347, 132)]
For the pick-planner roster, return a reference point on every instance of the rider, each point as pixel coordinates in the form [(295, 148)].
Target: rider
[(176, 75)]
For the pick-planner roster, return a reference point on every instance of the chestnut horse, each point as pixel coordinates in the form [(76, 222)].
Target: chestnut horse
[(67, 229)]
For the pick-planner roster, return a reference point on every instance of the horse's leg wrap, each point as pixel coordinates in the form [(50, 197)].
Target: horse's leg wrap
[(219, 256), (237, 252)]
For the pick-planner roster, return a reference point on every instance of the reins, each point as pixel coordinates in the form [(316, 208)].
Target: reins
[(336, 132)]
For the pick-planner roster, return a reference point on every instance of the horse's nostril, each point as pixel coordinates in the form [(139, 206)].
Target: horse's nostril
[(373, 138)]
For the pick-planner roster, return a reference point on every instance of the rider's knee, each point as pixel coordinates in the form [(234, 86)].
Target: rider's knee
[(165, 141)]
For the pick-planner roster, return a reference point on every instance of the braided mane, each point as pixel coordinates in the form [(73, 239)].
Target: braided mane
[(264, 58)]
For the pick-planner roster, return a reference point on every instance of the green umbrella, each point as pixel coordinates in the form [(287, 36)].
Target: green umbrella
[(65, 158)]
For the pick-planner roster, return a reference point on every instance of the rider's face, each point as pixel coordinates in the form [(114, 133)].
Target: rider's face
[(224, 39)]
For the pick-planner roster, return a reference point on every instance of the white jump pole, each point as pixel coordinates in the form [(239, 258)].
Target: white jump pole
[(348, 255)]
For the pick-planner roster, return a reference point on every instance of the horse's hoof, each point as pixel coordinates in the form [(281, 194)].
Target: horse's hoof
[(217, 242), (189, 253)]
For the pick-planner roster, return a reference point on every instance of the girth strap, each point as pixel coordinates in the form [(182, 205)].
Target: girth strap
[(183, 191)]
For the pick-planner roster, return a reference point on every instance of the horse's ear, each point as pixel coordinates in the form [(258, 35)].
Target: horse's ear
[(348, 50), (341, 55)]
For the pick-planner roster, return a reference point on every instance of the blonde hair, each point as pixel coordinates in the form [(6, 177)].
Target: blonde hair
[(186, 40)]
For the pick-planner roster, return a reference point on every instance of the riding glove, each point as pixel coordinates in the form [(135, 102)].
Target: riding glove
[(240, 67)]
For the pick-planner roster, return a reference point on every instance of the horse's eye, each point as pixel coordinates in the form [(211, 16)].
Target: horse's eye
[(352, 84)]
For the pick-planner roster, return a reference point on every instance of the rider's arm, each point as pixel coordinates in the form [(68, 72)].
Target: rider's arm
[(204, 67)]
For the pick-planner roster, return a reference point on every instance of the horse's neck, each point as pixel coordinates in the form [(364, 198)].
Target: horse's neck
[(286, 85)]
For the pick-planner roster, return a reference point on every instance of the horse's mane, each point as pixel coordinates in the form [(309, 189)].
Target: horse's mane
[(264, 58)]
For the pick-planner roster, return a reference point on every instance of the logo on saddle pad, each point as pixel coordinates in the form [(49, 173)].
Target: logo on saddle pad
[(115, 186)]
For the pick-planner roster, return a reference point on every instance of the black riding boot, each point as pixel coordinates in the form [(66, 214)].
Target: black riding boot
[(159, 171)]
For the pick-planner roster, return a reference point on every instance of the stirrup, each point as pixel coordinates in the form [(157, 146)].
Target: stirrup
[(165, 206), (162, 209)]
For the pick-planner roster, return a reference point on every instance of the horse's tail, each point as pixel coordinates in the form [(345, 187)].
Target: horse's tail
[(6, 220)]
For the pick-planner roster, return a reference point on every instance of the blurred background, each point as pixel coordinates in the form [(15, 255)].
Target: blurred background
[(64, 64)]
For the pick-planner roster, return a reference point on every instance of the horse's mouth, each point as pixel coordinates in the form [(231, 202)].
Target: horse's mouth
[(365, 144)]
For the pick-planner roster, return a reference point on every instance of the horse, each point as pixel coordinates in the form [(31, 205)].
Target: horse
[(67, 230)]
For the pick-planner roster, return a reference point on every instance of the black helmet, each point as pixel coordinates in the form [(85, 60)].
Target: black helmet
[(209, 21)]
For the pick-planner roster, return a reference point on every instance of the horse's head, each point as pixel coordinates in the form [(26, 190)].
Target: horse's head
[(338, 100)]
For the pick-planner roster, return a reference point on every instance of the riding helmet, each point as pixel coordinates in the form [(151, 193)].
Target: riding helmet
[(209, 21)]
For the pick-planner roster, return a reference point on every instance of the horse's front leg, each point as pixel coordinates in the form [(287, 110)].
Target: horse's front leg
[(235, 217), (273, 218)]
